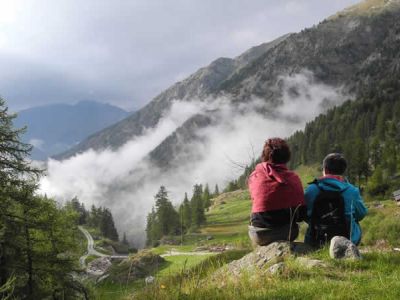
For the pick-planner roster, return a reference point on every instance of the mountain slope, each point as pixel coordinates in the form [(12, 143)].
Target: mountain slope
[(199, 85), (352, 49), (55, 128)]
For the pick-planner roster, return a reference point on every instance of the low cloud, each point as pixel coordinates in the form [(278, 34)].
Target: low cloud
[(126, 181)]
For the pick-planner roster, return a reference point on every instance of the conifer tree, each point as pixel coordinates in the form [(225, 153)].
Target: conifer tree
[(196, 203), (124, 240), (186, 213), (36, 237), (206, 197), (216, 191), (107, 226)]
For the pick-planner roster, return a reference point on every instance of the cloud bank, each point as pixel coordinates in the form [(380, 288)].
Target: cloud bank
[(126, 181), (125, 52)]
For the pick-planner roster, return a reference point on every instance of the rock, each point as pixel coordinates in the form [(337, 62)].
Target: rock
[(299, 248), (149, 279), (310, 263), (257, 259), (201, 248), (141, 265), (209, 237), (341, 247), (98, 266), (216, 249), (166, 240), (276, 268), (378, 205)]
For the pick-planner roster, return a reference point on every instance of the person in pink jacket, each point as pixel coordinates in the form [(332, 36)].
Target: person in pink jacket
[(277, 196)]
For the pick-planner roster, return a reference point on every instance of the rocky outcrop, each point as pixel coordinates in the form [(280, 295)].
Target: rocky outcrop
[(140, 265), (261, 257), (341, 247), (98, 266)]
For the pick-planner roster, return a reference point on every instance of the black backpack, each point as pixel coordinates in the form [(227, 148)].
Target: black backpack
[(328, 217)]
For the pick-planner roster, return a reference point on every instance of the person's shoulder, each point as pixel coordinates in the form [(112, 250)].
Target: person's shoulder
[(312, 186), (352, 189)]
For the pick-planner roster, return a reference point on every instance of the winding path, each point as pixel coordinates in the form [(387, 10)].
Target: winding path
[(90, 247)]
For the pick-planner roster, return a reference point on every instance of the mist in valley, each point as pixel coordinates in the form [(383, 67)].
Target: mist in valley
[(126, 180)]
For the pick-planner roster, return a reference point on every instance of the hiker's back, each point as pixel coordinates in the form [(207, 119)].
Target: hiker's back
[(348, 208), (328, 216)]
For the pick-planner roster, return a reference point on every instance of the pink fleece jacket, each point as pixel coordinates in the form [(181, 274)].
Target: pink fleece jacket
[(273, 186)]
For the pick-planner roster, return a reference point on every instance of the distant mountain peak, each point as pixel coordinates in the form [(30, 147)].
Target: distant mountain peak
[(54, 128), (367, 7)]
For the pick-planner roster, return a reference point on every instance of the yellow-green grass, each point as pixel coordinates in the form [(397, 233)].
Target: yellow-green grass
[(382, 223), (308, 173), (179, 263), (374, 277), (115, 291)]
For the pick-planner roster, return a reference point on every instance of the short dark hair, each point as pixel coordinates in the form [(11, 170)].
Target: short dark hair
[(334, 164), (276, 151)]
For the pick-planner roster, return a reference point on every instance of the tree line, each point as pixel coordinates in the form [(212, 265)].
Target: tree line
[(164, 219), (366, 131), (38, 239), (98, 217)]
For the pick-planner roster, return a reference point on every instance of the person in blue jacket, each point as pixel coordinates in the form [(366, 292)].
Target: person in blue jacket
[(334, 166)]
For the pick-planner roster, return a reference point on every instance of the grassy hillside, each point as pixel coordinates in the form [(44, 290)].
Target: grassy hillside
[(191, 277), (373, 277)]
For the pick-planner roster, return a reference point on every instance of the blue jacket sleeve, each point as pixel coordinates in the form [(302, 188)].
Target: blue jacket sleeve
[(309, 196), (360, 210)]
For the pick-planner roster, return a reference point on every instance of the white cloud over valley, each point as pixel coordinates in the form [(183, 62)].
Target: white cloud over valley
[(126, 181)]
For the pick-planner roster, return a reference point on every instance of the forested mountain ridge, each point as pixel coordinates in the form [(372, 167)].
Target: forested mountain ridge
[(352, 50), (366, 131)]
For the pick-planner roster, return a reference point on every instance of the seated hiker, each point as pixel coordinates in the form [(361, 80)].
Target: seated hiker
[(334, 206), (277, 196)]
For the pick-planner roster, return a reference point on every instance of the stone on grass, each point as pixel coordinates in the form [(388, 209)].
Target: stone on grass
[(257, 259), (276, 268), (149, 279), (310, 263), (98, 266), (341, 247)]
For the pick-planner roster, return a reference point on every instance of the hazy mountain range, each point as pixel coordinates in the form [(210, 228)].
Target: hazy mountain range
[(351, 49), (57, 127)]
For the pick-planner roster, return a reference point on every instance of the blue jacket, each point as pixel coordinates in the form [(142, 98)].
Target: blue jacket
[(354, 207)]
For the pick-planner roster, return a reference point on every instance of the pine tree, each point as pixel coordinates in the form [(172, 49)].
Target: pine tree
[(216, 191), (186, 213), (107, 226), (35, 235), (163, 220), (124, 240), (196, 203), (206, 197), (153, 232)]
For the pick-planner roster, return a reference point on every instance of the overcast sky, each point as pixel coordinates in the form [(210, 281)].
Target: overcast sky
[(125, 52)]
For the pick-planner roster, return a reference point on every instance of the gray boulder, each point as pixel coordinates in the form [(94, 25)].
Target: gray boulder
[(260, 257), (341, 247)]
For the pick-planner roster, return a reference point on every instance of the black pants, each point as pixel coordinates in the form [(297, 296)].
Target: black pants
[(264, 236)]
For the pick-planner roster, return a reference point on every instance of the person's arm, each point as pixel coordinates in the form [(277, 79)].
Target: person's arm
[(360, 210), (309, 197)]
